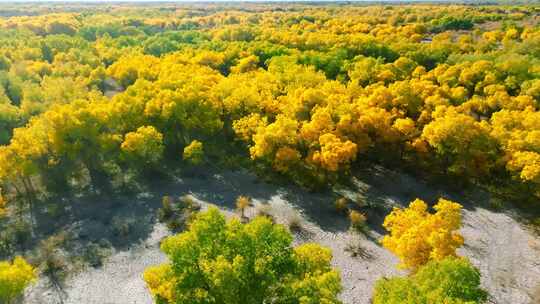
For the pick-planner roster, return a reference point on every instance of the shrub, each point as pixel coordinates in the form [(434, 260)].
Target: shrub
[(13, 235), (294, 221), (121, 227), (175, 223), (51, 258), (216, 259), (361, 202), (166, 210), (341, 204), (358, 220), (94, 254), (242, 202), (355, 249), (53, 210), (176, 216), (22, 231), (7, 242), (189, 203)]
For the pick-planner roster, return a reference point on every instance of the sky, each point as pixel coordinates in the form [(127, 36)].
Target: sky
[(112, 1)]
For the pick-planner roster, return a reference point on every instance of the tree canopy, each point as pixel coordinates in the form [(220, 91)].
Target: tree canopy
[(219, 261)]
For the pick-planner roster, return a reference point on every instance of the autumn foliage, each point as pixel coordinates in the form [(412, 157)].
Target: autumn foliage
[(450, 280), (417, 236), (93, 99), (307, 93), (14, 278), (216, 261)]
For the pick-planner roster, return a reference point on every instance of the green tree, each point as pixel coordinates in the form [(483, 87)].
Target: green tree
[(216, 261), (449, 281)]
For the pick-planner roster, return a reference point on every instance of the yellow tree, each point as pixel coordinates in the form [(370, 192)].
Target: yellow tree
[(275, 141), (334, 153), (417, 236), (14, 278), (144, 145), (464, 145)]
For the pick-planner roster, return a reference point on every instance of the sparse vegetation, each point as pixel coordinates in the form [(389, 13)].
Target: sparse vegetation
[(358, 221), (177, 214), (355, 248), (294, 221), (341, 204), (242, 203), (94, 254), (52, 260), (14, 236), (122, 226), (166, 211), (265, 209)]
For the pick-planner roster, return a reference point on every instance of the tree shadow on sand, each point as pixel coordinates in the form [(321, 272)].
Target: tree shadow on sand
[(127, 220)]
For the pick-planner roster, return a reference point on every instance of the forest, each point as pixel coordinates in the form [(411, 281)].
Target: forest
[(105, 101)]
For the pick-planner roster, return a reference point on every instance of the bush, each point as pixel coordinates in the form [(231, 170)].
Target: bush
[(242, 202), (166, 210), (189, 203), (175, 223), (341, 204), (122, 227), (451, 280), (355, 249), (22, 230), (294, 221), (51, 258), (176, 216), (7, 242), (53, 210), (13, 235), (358, 220), (215, 260), (94, 254)]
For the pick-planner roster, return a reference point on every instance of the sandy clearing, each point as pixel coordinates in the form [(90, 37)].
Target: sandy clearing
[(507, 253)]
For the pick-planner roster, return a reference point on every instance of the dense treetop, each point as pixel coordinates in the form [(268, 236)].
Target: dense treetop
[(306, 91), (220, 262)]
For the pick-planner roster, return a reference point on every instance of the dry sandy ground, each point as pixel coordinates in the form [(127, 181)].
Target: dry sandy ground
[(507, 254)]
